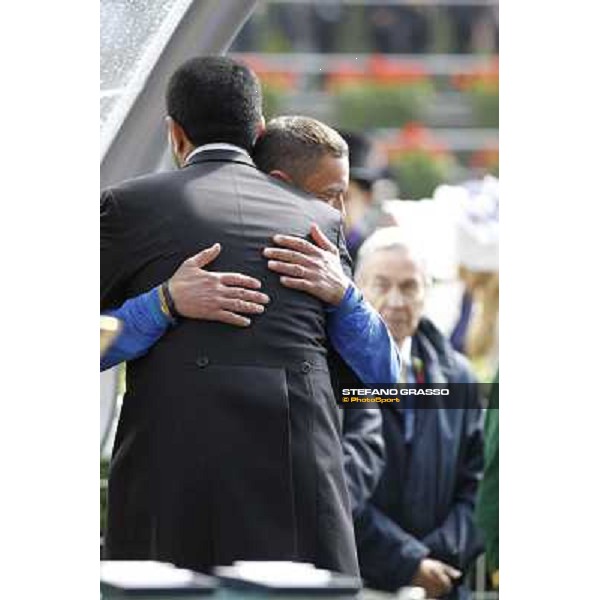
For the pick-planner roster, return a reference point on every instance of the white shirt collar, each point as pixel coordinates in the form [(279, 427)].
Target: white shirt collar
[(405, 350), (216, 146)]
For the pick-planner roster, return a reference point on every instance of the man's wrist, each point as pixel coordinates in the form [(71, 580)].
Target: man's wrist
[(167, 304), (350, 300), (159, 308)]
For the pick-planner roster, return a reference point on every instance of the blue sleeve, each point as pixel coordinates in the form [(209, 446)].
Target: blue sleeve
[(143, 323), (362, 339)]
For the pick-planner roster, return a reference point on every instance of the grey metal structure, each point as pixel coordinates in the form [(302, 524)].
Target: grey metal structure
[(138, 144)]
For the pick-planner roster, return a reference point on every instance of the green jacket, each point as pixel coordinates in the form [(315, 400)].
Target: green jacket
[(487, 508)]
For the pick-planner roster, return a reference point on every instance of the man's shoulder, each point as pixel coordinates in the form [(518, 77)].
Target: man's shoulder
[(456, 366), (313, 204), (468, 392), (142, 183), (315, 210), (143, 195)]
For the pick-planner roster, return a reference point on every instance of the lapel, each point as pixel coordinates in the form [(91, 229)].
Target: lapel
[(425, 354), (431, 348), (218, 155)]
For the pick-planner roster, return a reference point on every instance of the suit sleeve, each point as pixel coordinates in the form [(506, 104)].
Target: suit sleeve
[(362, 437), (364, 453), (343, 250), (458, 541), (389, 556), (112, 256)]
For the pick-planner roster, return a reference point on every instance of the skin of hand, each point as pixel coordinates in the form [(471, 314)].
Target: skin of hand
[(435, 577), (211, 296), (311, 268)]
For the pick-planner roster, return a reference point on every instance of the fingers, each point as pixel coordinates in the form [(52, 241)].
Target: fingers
[(287, 269), (241, 306), (229, 307), (239, 280), (296, 243), (230, 318), (321, 239), (205, 256), (452, 572), (290, 256), (247, 295), (445, 582), (298, 284)]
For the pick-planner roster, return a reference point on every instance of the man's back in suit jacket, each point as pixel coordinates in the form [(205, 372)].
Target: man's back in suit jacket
[(228, 444)]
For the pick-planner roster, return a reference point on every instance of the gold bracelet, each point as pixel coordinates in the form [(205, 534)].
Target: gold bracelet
[(164, 307)]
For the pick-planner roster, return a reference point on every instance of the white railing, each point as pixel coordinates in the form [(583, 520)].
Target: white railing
[(313, 63)]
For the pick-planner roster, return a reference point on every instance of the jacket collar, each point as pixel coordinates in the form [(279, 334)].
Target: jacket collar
[(219, 153), (430, 346)]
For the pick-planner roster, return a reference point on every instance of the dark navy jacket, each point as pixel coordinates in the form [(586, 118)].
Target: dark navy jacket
[(424, 502)]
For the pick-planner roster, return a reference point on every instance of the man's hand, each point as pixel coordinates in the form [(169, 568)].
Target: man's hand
[(200, 294), (313, 269), (435, 576)]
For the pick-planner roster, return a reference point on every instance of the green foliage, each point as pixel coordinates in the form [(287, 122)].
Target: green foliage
[(273, 98), (275, 42), (369, 106), (486, 105), (419, 172)]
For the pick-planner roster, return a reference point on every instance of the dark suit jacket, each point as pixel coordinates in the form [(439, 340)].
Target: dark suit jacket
[(228, 444), (364, 449)]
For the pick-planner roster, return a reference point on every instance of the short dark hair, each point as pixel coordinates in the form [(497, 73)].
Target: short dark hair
[(294, 144), (215, 99)]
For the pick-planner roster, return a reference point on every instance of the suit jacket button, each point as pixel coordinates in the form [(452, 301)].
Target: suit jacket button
[(202, 361), (305, 367)]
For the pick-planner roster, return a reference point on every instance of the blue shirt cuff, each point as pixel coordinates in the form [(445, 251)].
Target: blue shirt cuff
[(352, 298), (152, 302), (143, 324)]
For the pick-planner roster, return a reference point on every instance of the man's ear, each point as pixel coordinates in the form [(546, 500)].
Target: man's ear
[(177, 137), (281, 175), (261, 126)]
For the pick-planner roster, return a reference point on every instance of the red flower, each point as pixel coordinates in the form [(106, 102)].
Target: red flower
[(414, 137), (485, 158), (486, 77)]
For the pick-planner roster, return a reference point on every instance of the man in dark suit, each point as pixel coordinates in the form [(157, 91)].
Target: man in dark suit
[(228, 445)]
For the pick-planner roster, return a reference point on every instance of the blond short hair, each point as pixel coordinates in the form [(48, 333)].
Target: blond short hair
[(295, 144)]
